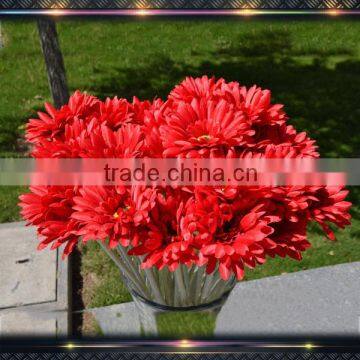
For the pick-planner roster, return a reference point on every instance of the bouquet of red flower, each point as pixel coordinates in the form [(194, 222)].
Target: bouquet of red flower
[(218, 231)]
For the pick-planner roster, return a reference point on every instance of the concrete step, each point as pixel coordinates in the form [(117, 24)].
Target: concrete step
[(323, 301), (34, 285)]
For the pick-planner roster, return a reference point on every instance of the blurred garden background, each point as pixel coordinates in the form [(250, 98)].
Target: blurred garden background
[(313, 67)]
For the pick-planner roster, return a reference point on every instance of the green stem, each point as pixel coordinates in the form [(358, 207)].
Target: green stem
[(154, 286), (207, 286), (134, 268), (180, 285), (122, 268)]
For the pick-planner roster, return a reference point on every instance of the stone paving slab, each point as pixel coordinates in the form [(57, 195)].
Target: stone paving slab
[(323, 301), (118, 320), (34, 285), (22, 322), (27, 276)]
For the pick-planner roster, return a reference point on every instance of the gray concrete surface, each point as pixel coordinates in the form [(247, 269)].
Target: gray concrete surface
[(118, 320), (323, 301), (34, 285), (24, 322), (27, 276)]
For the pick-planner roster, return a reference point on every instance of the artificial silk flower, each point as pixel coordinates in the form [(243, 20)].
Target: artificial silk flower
[(225, 229)]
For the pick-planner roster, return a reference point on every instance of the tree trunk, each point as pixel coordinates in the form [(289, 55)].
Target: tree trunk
[(54, 61), (1, 38)]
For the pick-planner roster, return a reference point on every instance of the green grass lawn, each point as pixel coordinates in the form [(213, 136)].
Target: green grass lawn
[(313, 67)]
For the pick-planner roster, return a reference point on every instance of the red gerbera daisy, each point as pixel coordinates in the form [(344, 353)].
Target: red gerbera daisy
[(225, 228)]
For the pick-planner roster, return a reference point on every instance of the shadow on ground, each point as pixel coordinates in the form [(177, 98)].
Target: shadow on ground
[(320, 95), (12, 131), (319, 98), (11, 136)]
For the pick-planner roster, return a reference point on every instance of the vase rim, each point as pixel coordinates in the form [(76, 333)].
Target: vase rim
[(207, 306)]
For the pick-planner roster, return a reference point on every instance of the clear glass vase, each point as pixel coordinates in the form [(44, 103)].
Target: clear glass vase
[(186, 297)]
